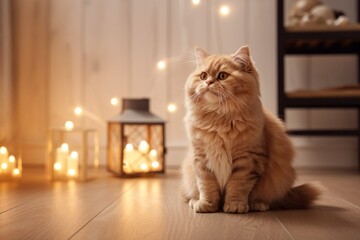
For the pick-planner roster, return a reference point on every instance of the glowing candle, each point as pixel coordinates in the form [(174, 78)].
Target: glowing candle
[(144, 147), (61, 158), (11, 162), (144, 166), (73, 164), (16, 172), (155, 164)]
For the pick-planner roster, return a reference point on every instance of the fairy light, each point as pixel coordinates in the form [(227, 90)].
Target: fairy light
[(69, 125), (78, 111), (161, 65), (224, 10), (114, 101), (195, 2), (172, 107)]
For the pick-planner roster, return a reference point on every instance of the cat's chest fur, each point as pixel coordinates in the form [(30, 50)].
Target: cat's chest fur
[(218, 148)]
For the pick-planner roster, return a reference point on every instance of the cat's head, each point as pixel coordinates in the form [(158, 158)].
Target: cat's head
[(223, 82)]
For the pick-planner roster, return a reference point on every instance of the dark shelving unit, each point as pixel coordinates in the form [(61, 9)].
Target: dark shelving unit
[(316, 41)]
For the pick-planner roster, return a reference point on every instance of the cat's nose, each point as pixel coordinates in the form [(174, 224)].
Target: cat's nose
[(209, 82)]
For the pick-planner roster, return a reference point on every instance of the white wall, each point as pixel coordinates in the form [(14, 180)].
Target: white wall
[(96, 50)]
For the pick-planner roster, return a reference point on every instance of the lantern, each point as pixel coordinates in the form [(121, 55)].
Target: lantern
[(136, 140), (73, 154), (10, 163)]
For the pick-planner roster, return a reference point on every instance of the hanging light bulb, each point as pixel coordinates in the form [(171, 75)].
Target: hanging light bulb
[(172, 107), (114, 101), (224, 10), (196, 2), (161, 65), (69, 125), (78, 111)]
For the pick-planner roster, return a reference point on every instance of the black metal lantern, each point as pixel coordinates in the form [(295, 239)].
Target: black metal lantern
[(136, 140)]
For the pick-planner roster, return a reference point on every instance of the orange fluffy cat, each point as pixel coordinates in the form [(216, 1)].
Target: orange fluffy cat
[(240, 157)]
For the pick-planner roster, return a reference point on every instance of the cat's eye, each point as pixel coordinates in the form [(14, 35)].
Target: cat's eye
[(203, 76), (222, 75)]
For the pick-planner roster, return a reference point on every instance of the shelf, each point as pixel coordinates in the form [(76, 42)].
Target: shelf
[(325, 132), (340, 97), (322, 40)]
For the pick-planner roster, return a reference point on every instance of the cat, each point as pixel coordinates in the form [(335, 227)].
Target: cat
[(240, 157)]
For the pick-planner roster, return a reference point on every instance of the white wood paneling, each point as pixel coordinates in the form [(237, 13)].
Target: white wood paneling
[(81, 53)]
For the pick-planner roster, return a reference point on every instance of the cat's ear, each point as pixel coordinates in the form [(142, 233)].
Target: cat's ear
[(243, 57), (201, 55)]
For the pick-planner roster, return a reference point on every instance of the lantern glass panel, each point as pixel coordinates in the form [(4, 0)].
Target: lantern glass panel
[(73, 154), (114, 142), (143, 149)]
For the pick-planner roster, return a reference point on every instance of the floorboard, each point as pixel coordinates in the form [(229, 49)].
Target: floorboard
[(152, 208)]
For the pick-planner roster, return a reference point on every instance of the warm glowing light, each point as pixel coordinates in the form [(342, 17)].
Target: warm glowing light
[(11, 159), (71, 172), (155, 164), (153, 153), (57, 166), (69, 125), (224, 10), (144, 166), (3, 150), (74, 155), (143, 146), (129, 147), (196, 2), (172, 107), (78, 111), (4, 166), (16, 171), (114, 101), (65, 147), (161, 65)]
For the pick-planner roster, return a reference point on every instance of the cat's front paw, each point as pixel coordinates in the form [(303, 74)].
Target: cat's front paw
[(236, 207), (259, 206), (202, 206)]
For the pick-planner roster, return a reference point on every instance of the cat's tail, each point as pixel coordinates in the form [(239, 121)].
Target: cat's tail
[(299, 197)]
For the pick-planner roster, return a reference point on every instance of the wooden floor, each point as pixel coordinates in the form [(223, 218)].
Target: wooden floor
[(152, 208)]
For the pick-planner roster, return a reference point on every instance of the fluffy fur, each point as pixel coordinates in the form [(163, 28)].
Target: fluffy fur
[(240, 156)]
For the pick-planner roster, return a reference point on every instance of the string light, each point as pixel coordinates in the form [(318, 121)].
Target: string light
[(224, 10), (161, 65), (65, 147), (71, 172), (172, 107), (114, 101), (69, 125), (196, 2), (78, 111)]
